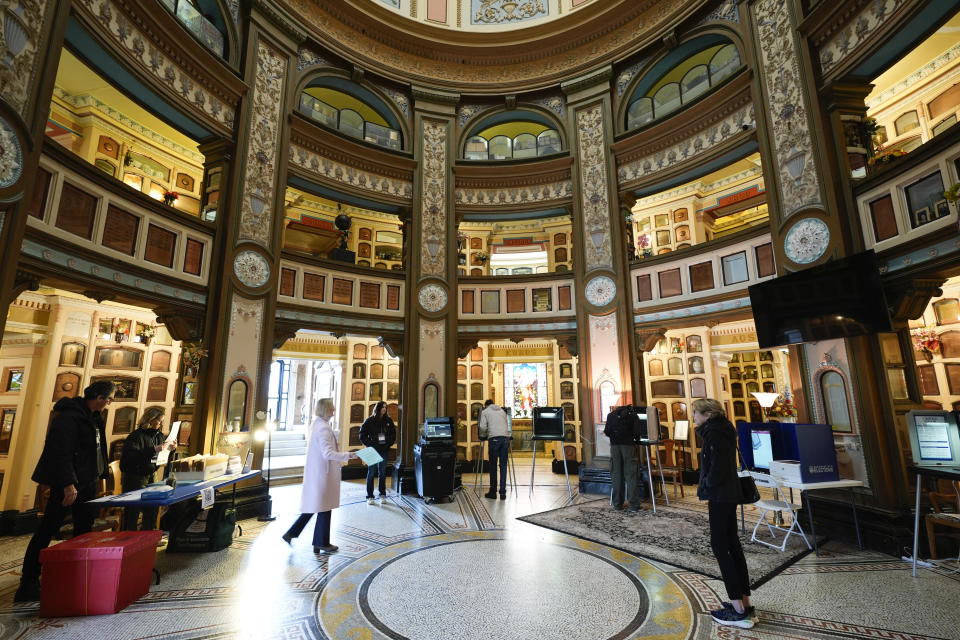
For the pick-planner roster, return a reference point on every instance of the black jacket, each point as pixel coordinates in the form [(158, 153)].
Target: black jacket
[(370, 434), (618, 430), (718, 461), (75, 451), (138, 451)]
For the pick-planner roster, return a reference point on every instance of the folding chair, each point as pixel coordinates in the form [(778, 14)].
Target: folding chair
[(777, 504)]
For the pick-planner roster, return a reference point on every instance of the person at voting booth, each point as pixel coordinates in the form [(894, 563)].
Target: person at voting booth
[(74, 456), (137, 466), (321, 480), (623, 459), (720, 486), (493, 426), (379, 432)]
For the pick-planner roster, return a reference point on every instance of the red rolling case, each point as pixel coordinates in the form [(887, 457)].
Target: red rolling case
[(97, 573)]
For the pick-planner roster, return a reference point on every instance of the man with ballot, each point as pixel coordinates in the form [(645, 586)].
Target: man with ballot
[(379, 433)]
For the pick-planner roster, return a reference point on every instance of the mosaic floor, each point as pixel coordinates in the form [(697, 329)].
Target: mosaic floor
[(468, 569)]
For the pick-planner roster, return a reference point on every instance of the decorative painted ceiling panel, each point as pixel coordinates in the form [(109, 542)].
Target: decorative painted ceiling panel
[(490, 12), (196, 94)]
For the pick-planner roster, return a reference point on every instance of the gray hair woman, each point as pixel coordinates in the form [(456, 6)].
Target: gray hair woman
[(720, 486), (137, 464)]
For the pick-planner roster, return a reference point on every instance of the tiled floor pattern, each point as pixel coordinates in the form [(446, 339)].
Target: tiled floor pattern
[(468, 569)]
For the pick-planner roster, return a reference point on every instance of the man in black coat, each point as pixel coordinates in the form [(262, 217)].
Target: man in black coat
[(623, 458), (74, 457)]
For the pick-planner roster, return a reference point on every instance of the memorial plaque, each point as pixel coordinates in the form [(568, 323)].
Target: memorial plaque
[(108, 147), (490, 302), (76, 212), (765, 265), (467, 304), (67, 385), (288, 282), (161, 245), (563, 298), (670, 283), (157, 389), (393, 297), (342, 291), (313, 286), (193, 257), (542, 300), (701, 276), (644, 288), (160, 361), (370, 295), (365, 234), (41, 185), (476, 243), (120, 230), (516, 301)]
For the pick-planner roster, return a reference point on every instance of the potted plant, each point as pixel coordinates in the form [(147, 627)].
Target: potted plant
[(146, 333), (884, 156), (480, 257), (953, 193), (782, 408)]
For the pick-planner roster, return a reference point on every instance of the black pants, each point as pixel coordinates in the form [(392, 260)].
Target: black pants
[(725, 542), (321, 530), (131, 515), (53, 517)]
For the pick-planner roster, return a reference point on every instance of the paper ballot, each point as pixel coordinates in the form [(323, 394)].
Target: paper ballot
[(164, 454), (369, 456)]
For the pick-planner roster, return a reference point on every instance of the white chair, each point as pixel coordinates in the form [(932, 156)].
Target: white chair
[(778, 503)]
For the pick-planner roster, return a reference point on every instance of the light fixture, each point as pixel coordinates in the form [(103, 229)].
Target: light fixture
[(765, 399), (260, 435)]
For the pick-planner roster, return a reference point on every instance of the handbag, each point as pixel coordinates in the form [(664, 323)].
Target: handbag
[(748, 488)]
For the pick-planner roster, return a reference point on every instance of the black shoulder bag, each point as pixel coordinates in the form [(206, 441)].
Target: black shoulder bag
[(748, 488)]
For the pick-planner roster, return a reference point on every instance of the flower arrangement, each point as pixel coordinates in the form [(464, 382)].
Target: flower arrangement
[(883, 156), (169, 197), (643, 244), (782, 407), (926, 341), (192, 355), (147, 332), (953, 193), (480, 256)]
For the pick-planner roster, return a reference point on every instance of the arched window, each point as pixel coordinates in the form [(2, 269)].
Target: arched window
[(694, 83), (431, 400), (724, 62), (947, 311), (834, 391), (640, 112), (476, 148), (501, 148), (907, 122), (351, 123), (525, 146), (548, 142), (666, 99)]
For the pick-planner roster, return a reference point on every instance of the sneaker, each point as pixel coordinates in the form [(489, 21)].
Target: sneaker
[(370, 500), (28, 591), (633, 509), (381, 498), (751, 611), (490, 494), (730, 617), (325, 549), (503, 496)]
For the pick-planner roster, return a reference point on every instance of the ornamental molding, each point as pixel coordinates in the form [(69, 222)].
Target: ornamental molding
[(515, 196), (714, 135), (600, 291), (344, 174), (726, 12), (919, 75), (433, 197), (592, 79), (251, 268), (786, 108), (852, 29), (311, 137), (11, 157), (338, 320), (23, 29), (437, 96), (594, 187), (574, 43), (489, 12), (432, 297), (307, 59), (627, 75), (280, 20), (260, 172), (400, 99), (163, 59)]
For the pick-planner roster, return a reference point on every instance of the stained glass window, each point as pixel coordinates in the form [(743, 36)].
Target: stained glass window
[(525, 387)]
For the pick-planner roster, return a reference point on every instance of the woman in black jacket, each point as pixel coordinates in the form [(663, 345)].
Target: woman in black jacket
[(720, 485), (137, 466), (379, 432)]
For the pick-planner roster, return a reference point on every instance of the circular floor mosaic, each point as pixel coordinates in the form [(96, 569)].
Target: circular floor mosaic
[(485, 585)]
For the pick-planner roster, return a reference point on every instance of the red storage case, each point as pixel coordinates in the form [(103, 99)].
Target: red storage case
[(97, 573)]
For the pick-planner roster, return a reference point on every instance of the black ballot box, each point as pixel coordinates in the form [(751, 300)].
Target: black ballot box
[(434, 464)]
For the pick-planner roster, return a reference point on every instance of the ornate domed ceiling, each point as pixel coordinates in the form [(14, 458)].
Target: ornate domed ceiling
[(526, 54)]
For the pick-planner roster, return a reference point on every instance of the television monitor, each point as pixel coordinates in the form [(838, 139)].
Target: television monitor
[(649, 422), (439, 428), (548, 423), (934, 438), (760, 443), (838, 299)]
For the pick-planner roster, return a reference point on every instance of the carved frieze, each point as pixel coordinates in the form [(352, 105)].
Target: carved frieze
[(345, 174), (858, 30), (11, 157), (22, 30), (734, 124), (594, 187), (256, 207), (140, 48), (507, 11), (786, 107), (307, 58), (538, 193), (433, 198)]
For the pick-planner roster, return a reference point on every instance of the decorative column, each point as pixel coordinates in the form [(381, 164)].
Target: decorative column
[(430, 359), (604, 325)]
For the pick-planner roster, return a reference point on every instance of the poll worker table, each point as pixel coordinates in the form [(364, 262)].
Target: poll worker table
[(807, 487), (182, 492), (946, 473)]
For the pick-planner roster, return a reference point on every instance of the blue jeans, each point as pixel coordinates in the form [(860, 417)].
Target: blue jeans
[(498, 457), (373, 470)]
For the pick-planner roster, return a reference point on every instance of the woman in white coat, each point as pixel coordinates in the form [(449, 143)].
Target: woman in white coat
[(321, 480)]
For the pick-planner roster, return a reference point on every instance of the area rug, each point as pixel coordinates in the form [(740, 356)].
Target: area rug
[(674, 535)]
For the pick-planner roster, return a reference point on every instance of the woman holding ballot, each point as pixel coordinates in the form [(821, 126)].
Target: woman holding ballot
[(378, 432), (321, 480), (137, 464)]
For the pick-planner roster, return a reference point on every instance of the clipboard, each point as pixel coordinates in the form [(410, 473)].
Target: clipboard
[(369, 456)]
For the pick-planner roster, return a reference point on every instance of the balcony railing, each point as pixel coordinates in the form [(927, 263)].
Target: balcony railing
[(190, 17)]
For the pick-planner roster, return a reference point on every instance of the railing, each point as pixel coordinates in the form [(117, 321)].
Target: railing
[(195, 22)]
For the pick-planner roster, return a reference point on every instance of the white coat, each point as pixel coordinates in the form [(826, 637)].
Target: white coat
[(321, 472)]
